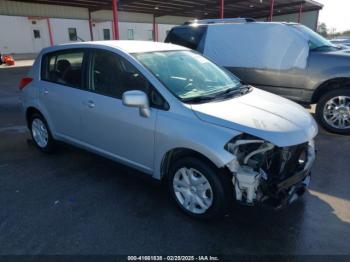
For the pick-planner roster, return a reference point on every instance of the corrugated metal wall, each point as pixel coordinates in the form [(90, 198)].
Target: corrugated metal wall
[(56, 11), (27, 9)]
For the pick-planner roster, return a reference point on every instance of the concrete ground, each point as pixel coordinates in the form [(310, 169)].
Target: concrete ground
[(74, 202)]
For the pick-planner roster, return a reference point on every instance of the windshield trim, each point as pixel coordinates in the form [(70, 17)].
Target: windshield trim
[(186, 100)]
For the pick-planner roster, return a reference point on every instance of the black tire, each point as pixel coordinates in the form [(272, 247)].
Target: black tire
[(219, 181), (50, 145), (321, 106)]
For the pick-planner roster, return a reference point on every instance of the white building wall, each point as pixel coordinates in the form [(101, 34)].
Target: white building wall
[(307, 18), (141, 31), (17, 34), (163, 31), (22, 39), (97, 29), (60, 27), (16, 29)]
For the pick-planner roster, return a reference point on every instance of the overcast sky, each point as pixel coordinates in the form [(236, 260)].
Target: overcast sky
[(335, 14)]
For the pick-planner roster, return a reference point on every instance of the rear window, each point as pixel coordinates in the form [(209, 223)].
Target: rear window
[(63, 68), (190, 37)]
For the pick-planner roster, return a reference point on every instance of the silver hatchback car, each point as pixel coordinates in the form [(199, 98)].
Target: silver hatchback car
[(171, 113)]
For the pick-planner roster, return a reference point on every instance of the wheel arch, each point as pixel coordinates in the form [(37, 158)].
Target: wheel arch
[(330, 85), (180, 152), (29, 112)]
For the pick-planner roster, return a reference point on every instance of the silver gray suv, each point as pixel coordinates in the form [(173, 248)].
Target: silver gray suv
[(171, 113), (251, 50)]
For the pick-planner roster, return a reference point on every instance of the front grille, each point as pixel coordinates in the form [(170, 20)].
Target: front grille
[(283, 162)]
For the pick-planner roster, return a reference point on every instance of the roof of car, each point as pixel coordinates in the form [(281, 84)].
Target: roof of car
[(229, 22), (129, 46)]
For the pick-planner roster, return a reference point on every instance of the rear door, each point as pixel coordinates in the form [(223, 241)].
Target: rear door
[(61, 89)]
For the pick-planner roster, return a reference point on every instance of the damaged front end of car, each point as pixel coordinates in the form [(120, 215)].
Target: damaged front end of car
[(265, 174)]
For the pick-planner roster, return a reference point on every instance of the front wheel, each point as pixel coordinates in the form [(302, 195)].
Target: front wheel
[(199, 189), (333, 111)]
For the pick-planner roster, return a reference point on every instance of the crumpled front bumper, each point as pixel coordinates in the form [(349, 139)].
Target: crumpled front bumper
[(285, 197), (290, 189)]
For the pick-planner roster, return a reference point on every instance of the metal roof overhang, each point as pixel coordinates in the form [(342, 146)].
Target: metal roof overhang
[(199, 9)]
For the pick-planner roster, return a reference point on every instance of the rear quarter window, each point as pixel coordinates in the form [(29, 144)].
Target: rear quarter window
[(63, 67), (190, 37)]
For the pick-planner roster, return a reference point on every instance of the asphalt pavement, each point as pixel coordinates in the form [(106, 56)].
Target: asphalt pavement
[(74, 202)]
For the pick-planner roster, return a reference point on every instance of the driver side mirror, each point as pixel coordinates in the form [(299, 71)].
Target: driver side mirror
[(136, 98)]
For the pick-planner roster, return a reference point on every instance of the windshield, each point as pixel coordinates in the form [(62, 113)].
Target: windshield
[(316, 41), (187, 74)]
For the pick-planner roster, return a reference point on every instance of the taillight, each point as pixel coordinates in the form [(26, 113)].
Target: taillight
[(24, 82)]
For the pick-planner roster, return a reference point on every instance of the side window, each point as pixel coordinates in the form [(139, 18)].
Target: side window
[(72, 32), (131, 34), (106, 34), (36, 33), (113, 75), (150, 35), (64, 68), (190, 37)]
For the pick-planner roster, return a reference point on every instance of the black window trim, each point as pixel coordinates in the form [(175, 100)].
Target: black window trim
[(104, 33), (88, 79), (75, 38), (201, 42), (45, 65)]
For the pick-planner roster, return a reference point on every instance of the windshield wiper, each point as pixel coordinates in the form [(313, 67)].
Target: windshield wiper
[(322, 46), (241, 90), (198, 99), (245, 89)]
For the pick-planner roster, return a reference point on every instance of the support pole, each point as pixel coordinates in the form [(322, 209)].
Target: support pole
[(113, 31), (222, 9), (155, 29), (115, 19), (272, 6), (300, 13), (316, 25), (50, 30), (90, 27)]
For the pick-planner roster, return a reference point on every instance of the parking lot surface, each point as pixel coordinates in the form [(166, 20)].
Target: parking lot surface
[(74, 202)]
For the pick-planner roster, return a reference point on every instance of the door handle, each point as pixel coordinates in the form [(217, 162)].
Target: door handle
[(91, 104), (46, 91)]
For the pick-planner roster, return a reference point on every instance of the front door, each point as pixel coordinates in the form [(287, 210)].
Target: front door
[(110, 127), (289, 83)]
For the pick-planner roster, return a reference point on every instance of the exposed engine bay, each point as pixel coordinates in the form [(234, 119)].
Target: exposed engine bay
[(266, 174)]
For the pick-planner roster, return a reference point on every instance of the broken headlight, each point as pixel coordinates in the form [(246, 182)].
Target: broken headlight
[(249, 150), (249, 155)]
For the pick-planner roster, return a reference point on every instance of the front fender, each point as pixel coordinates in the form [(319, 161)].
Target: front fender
[(338, 72), (174, 131)]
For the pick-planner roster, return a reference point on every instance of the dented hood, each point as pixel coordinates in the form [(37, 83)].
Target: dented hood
[(261, 114)]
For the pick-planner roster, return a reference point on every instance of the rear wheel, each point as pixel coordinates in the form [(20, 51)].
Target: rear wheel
[(199, 189), (333, 111), (41, 133)]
